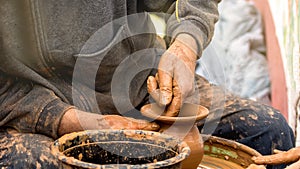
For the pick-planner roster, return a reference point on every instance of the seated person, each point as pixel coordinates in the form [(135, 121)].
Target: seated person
[(68, 66)]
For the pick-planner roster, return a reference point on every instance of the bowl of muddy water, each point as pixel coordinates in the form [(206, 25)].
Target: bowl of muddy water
[(221, 153), (128, 149)]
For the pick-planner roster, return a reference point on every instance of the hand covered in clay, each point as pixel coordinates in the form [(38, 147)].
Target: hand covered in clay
[(281, 157), (75, 120), (175, 78)]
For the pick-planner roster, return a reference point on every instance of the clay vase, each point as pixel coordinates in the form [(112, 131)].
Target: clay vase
[(183, 126)]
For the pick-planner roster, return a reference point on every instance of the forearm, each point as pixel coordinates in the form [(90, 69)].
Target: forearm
[(196, 18), (76, 120)]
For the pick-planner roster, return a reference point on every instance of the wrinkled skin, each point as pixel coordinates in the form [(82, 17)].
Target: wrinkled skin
[(280, 157), (75, 120), (175, 78)]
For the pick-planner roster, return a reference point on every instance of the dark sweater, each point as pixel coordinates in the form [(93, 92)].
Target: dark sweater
[(57, 54)]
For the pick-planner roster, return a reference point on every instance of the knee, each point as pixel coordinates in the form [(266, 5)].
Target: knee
[(282, 132), (270, 131), (27, 151)]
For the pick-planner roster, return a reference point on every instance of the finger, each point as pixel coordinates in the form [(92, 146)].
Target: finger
[(149, 126), (151, 84), (254, 166), (174, 108), (152, 88), (165, 80), (277, 151), (282, 158), (142, 125), (270, 159), (295, 165), (156, 77), (165, 86)]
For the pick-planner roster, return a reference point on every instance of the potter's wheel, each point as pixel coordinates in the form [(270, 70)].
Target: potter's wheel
[(209, 162)]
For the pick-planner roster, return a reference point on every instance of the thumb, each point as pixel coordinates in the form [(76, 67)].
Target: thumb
[(151, 126), (166, 88)]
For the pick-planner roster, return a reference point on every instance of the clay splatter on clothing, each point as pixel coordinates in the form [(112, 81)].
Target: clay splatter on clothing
[(22, 150)]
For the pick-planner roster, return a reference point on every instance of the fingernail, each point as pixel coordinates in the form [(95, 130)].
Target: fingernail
[(163, 100)]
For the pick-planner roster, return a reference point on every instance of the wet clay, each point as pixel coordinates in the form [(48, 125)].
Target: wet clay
[(120, 149), (226, 154), (209, 162), (194, 141), (182, 126), (120, 153)]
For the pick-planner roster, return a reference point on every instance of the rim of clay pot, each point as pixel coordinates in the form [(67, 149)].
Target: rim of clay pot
[(154, 111), (230, 143), (235, 152), (184, 150)]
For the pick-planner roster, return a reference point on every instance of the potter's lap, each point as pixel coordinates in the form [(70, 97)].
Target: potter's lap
[(256, 125)]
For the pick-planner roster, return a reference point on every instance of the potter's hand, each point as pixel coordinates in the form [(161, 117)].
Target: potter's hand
[(175, 78), (281, 157), (75, 120)]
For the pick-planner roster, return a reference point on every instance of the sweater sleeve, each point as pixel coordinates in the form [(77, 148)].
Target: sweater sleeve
[(29, 107), (193, 17)]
